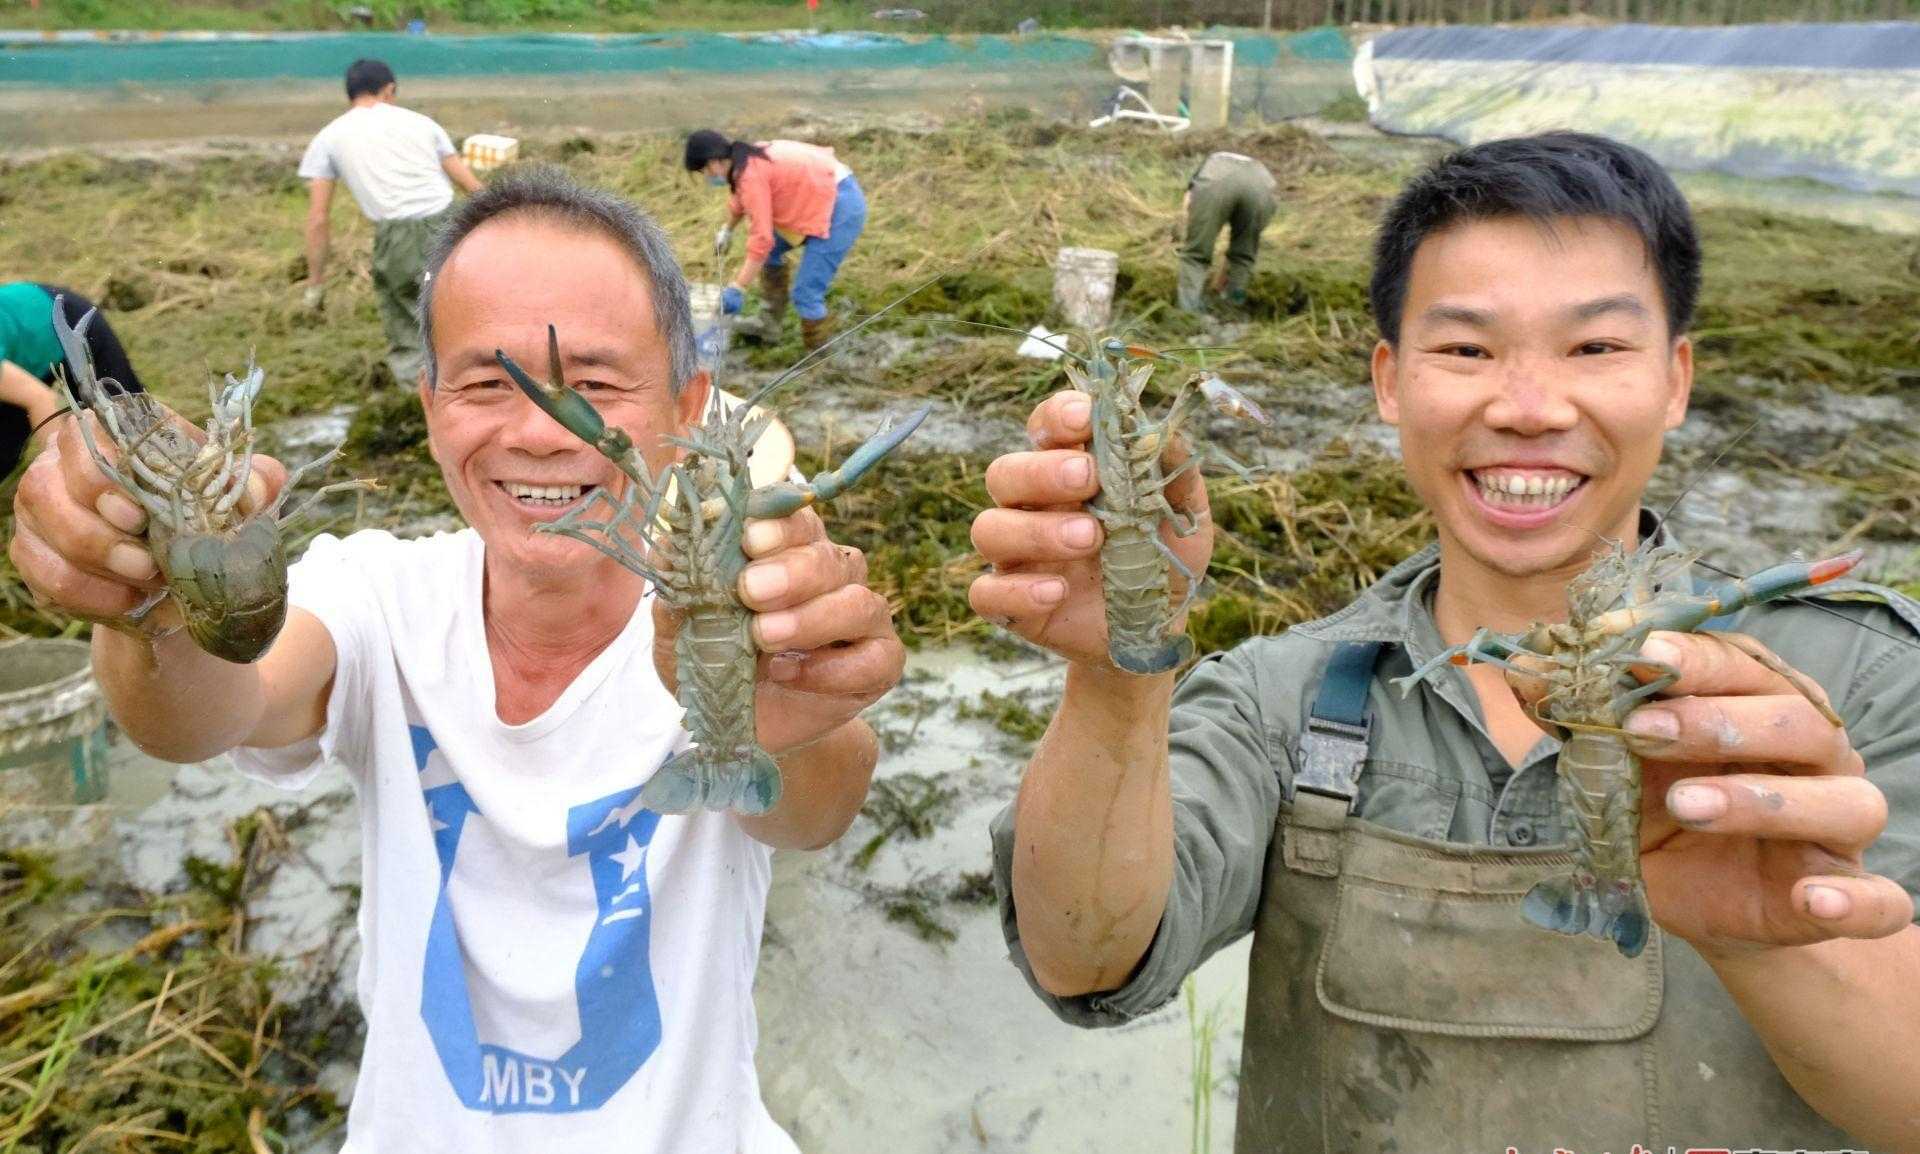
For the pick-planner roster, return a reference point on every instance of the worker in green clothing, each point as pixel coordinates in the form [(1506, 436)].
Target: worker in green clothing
[(401, 168), (30, 355), (1228, 191), (1533, 298)]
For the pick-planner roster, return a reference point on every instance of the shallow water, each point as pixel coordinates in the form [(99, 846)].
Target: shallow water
[(871, 1037)]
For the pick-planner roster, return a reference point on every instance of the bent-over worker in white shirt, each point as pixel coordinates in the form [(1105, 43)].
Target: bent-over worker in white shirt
[(400, 167)]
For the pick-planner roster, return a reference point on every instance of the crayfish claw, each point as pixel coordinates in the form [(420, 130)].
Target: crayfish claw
[(1231, 401)]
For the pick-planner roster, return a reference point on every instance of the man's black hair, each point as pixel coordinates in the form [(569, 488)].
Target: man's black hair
[(550, 194), (1550, 176), (366, 77)]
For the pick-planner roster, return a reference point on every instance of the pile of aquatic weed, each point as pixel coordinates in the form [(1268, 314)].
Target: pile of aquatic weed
[(1790, 302), (1011, 190), (1294, 547), (1288, 547), (136, 1022), (206, 261), (1020, 715)]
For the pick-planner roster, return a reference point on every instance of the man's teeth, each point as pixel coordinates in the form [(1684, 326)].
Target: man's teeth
[(549, 494), (1516, 491)]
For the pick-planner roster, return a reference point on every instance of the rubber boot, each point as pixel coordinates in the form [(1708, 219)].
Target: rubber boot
[(765, 327), (774, 292), (1190, 288), (813, 334)]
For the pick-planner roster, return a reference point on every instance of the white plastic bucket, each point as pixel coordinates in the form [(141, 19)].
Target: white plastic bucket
[(51, 714)]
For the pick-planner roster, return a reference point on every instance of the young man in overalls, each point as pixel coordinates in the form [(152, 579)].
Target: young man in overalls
[(1533, 298)]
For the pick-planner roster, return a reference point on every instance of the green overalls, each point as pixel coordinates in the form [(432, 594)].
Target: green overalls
[(399, 261), (1229, 191), (1396, 998)]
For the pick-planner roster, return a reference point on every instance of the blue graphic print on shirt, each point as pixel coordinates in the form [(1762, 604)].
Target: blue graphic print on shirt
[(613, 981)]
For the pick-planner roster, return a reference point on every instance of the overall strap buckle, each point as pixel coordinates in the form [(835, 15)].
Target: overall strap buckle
[(1332, 754), (1333, 748)]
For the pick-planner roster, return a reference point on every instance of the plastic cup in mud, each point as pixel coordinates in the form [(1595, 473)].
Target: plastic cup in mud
[(1083, 281), (712, 327)]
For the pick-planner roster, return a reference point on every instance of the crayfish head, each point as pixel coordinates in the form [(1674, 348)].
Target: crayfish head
[(231, 587)]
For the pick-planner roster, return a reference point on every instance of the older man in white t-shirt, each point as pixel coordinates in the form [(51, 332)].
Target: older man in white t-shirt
[(548, 965), (401, 168)]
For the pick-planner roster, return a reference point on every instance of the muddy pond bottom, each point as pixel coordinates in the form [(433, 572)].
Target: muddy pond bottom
[(890, 1017)]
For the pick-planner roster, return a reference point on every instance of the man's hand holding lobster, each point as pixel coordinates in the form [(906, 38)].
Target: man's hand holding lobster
[(78, 538), (1755, 807), (1044, 545), (827, 644)]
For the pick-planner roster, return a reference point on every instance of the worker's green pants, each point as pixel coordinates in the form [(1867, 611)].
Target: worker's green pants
[(399, 261), (1233, 194)]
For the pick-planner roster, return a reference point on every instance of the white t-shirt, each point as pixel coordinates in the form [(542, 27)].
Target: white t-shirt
[(389, 157), (545, 965)]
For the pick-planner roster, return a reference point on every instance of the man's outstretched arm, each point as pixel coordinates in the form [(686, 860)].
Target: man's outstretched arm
[(77, 547)]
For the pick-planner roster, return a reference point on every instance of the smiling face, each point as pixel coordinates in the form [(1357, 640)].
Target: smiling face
[(508, 466), (1532, 385)]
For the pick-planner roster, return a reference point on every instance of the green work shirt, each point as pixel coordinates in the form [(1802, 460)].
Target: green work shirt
[(26, 328), (1432, 770)]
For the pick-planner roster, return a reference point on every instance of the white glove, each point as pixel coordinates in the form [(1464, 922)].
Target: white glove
[(722, 239)]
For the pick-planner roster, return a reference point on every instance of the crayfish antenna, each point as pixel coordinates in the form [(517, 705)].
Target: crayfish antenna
[(828, 349)]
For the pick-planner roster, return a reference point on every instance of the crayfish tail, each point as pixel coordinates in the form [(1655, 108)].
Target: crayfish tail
[(676, 786), (1573, 904), (1151, 656), (1629, 930), (1564, 905), (1625, 920), (759, 786), (690, 781)]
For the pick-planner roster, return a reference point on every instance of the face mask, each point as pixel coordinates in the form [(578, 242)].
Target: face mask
[(716, 181)]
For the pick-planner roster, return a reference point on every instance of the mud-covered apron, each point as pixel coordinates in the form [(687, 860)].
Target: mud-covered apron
[(1398, 1001)]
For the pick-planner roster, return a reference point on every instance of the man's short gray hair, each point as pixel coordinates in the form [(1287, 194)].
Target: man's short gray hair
[(550, 194)]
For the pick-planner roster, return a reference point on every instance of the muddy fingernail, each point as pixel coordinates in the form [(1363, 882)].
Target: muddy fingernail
[(1657, 725), (1076, 472), (762, 537), (1079, 532), (1696, 803), (119, 512), (1077, 412), (777, 627), (1827, 902), (1050, 592), (131, 562), (764, 582)]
